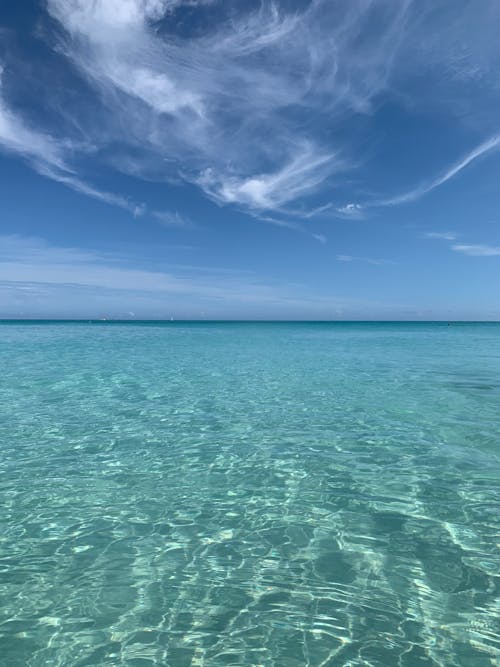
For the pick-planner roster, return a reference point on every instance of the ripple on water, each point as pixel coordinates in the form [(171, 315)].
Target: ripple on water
[(208, 495)]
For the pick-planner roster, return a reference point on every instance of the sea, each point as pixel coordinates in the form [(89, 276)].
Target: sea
[(285, 494)]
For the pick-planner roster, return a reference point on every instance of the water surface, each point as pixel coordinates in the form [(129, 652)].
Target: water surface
[(209, 494)]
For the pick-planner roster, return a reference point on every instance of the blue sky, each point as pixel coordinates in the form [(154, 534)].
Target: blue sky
[(210, 159)]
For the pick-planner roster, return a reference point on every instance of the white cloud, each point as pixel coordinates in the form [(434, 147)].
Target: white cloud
[(90, 191), (487, 146), (32, 260), (367, 260), (357, 210), (353, 211), (300, 175), (31, 268), (38, 147), (49, 156), (172, 219), (472, 249), (445, 236), (218, 104), (477, 250), (252, 107)]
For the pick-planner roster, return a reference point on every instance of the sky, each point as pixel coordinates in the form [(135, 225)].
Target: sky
[(212, 159)]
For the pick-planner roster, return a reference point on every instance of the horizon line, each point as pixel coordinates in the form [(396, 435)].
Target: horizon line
[(97, 320)]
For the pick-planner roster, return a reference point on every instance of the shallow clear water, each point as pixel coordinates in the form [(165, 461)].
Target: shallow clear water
[(249, 494)]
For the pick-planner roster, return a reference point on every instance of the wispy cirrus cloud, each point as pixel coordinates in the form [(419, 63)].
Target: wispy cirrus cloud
[(351, 211), (40, 148), (50, 156), (220, 104), (301, 175), (249, 102), (445, 236), (173, 219), (485, 147), (471, 249), (477, 249), (365, 260), (359, 210), (37, 275)]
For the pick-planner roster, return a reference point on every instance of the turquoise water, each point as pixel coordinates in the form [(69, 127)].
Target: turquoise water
[(249, 494)]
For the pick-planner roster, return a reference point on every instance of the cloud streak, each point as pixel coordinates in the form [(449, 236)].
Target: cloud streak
[(39, 148), (301, 175), (477, 250), (49, 156), (357, 211), (219, 104), (32, 269), (445, 236), (365, 260), (489, 145), (471, 249), (257, 105)]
